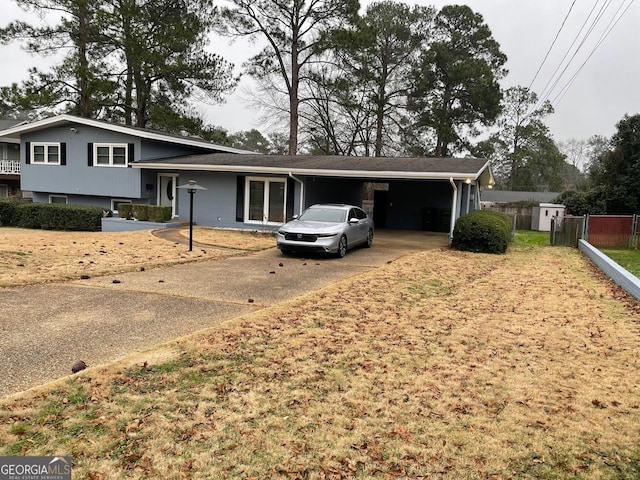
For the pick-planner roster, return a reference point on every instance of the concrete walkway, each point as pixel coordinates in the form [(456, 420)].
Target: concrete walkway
[(102, 319)]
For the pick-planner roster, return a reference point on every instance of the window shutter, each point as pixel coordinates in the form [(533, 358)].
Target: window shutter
[(90, 154), (27, 153), (240, 198), (63, 154), (291, 190), (131, 157)]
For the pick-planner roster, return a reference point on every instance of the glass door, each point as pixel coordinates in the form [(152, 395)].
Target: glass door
[(265, 200)]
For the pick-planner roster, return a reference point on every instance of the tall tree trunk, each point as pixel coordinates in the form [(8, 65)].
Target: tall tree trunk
[(293, 97), (82, 43)]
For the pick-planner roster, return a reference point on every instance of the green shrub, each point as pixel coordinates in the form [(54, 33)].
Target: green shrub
[(482, 231), (54, 216), (159, 213), (144, 212), (125, 210), (8, 212), (141, 212)]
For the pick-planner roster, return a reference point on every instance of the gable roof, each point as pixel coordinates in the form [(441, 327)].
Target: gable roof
[(332, 166), (505, 196), (7, 123), (63, 120)]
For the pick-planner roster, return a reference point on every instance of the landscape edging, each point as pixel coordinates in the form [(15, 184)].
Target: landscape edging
[(613, 270)]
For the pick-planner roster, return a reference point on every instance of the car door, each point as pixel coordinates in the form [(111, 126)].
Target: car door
[(360, 228)]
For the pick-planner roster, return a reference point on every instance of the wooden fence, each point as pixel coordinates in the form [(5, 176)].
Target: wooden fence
[(601, 231), (567, 230), (606, 231)]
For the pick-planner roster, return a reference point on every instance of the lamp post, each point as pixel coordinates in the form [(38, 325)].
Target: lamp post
[(192, 187)]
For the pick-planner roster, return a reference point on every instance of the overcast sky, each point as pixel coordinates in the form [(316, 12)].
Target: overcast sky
[(605, 89)]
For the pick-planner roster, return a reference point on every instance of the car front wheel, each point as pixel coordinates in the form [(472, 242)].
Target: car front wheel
[(342, 246), (369, 238)]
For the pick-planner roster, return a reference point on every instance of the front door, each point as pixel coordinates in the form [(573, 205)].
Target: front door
[(167, 191)]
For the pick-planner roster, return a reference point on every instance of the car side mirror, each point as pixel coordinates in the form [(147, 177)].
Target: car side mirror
[(353, 220), (295, 217)]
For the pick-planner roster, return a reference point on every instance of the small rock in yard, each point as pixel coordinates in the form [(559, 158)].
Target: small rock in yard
[(281, 264), (84, 277), (116, 281), (78, 366), (250, 300), (272, 272)]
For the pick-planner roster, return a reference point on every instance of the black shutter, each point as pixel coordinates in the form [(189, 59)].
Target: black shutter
[(90, 154), (291, 195), (27, 153), (131, 157), (63, 154), (240, 198)]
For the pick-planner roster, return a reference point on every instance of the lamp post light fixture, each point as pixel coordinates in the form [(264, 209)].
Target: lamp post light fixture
[(192, 187)]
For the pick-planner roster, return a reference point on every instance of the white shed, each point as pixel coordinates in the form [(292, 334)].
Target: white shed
[(543, 214)]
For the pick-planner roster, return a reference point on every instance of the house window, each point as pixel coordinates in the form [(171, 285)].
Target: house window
[(110, 155), (48, 153), (58, 199), (265, 200), (116, 201), (4, 191)]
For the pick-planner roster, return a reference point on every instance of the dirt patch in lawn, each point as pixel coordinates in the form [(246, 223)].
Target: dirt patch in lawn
[(35, 256), (439, 365)]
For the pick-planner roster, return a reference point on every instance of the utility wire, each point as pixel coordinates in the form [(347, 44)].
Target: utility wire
[(614, 21), (552, 44), (552, 84)]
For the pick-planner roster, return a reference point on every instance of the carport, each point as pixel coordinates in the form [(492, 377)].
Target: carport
[(263, 191)]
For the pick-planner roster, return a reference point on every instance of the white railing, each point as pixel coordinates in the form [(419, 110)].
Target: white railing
[(9, 167)]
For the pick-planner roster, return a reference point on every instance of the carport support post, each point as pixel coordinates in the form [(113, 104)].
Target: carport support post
[(191, 188)]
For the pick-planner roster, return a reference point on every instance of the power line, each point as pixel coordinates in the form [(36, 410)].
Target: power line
[(552, 44), (590, 26), (551, 84), (614, 21)]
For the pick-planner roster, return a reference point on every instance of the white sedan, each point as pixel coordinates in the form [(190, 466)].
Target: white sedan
[(328, 228)]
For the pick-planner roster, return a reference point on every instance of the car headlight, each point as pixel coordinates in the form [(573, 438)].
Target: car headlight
[(326, 235)]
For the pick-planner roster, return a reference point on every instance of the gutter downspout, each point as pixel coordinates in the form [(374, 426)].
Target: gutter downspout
[(453, 208), (301, 192)]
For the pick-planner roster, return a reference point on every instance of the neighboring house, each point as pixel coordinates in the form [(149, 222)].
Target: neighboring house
[(75, 160), (532, 210), (9, 162)]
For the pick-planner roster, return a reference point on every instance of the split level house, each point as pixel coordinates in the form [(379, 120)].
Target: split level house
[(69, 159)]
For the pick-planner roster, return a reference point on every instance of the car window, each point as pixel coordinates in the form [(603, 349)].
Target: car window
[(352, 213), (360, 214), (323, 215)]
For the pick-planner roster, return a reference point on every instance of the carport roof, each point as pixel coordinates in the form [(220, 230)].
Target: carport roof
[(331, 166)]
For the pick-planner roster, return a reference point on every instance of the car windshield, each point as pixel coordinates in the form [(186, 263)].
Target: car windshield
[(324, 215)]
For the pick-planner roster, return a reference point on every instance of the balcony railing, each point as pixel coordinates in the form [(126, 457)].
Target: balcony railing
[(9, 167)]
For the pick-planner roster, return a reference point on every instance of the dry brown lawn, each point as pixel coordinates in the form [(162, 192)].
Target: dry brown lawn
[(35, 256), (440, 365)]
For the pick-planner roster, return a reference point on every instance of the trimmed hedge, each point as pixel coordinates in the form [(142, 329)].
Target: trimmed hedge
[(143, 212), (51, 216), (482, 231)]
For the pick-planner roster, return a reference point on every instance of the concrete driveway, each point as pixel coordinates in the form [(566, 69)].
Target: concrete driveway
[(101, 319)]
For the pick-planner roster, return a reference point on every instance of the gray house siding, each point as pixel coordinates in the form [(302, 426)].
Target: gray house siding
[(77, 177), (222, 204), (153, 150)]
